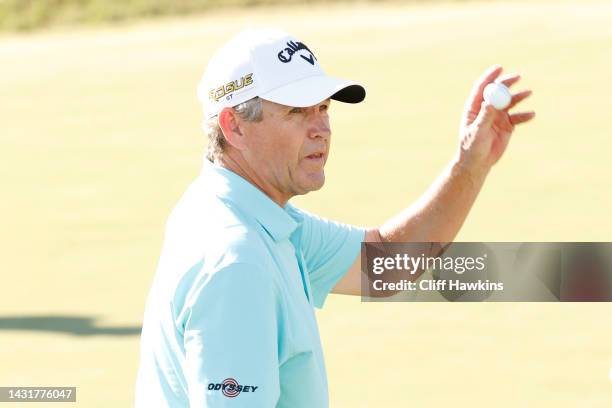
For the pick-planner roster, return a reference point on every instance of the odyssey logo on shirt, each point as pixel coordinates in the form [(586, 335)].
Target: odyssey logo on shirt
[(230, 387)]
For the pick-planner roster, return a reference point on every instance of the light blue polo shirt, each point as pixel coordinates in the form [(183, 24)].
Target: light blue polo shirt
[(229, 321)]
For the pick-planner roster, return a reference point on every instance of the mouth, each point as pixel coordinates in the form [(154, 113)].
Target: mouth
[(315, 156)]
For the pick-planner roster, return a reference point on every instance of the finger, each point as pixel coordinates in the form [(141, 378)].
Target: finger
[(503, 122), (522, 117), (509, 79), (489, 76), (486, 116), (518, 97)]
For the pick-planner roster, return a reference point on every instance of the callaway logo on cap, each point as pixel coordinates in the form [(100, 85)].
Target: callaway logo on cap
[(273, 65)]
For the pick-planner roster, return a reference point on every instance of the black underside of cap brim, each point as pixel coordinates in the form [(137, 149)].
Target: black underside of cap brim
[(350, 94)]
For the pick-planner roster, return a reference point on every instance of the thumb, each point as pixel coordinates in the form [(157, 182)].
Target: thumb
[(486, 115)]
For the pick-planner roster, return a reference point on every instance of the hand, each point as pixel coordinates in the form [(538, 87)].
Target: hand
[(485, 131)]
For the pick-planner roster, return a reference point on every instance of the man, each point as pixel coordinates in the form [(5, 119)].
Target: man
[(229, 321)]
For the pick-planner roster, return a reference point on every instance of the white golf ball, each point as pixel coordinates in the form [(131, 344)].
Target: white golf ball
[(497, 95)]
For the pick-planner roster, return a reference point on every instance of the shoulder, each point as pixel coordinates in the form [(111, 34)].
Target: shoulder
[(204, 227), (204, 232)]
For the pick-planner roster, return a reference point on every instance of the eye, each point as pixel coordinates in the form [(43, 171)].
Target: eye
[(296, 110), (324, 108)]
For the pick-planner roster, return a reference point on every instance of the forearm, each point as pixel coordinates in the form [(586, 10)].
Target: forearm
[(441, 211)]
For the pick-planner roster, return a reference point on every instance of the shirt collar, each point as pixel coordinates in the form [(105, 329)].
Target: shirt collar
[(279, 222)]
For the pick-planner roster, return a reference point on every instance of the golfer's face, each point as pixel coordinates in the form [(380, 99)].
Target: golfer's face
[(290, 146)]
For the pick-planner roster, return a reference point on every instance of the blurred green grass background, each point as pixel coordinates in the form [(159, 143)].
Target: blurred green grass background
[(23, 15), (101, 135), (27, 15)]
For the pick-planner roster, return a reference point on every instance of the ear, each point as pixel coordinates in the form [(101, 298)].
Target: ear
[(230, 124)]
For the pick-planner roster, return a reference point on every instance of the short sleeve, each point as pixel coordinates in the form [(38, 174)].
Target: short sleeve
[(329, 250), (231, 329)]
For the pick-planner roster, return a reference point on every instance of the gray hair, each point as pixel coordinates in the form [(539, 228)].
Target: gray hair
[(250, 111)]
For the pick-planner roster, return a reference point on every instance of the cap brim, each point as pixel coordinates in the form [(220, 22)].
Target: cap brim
[(312, 90)]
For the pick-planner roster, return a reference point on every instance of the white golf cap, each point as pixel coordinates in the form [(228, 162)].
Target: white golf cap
[(273, 65)]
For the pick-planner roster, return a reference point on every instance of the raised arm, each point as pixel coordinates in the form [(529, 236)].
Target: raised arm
[(440, 212)]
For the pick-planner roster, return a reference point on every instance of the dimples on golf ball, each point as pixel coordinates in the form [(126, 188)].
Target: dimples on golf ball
[(497, 95)]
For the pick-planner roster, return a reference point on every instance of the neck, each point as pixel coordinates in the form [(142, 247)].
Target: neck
[(239, 166)]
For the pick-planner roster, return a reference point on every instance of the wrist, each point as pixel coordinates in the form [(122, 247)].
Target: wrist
[(476, 170)]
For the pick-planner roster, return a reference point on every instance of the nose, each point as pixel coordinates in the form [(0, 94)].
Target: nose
[(319, 126)]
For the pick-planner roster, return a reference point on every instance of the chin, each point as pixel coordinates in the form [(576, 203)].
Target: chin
[(318, 183), (312, 183)]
